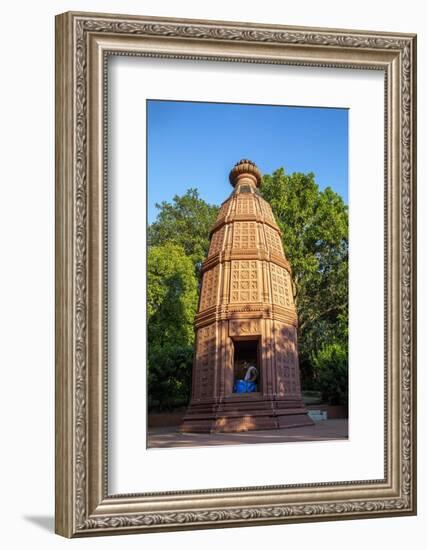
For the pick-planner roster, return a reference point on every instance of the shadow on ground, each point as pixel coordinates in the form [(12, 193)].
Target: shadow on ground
[(321, 431), (44, 522)]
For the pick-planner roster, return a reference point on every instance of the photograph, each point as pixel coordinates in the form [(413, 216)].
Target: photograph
[(235, 273), (247, 273)]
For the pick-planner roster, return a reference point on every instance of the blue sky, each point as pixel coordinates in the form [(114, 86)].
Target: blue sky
[(196, 145)]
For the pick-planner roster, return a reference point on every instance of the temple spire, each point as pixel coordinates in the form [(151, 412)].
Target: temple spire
[(246, 371), (245, 171)]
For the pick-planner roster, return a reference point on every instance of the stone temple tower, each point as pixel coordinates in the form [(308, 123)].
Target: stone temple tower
[(246, 317)]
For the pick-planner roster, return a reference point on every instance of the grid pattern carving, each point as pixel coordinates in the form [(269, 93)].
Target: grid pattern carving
[(274, 242), (244, 281), (286, 361), (281, 286), (266, 210), (244, 235), (223, 211), (217, 241), (245, 205), (209, 288), (205, 361)]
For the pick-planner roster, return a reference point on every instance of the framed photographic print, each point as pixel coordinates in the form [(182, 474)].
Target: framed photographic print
[(235, 274)]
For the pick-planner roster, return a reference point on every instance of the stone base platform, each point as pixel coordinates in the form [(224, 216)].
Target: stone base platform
[(245, 412), (326, 430)]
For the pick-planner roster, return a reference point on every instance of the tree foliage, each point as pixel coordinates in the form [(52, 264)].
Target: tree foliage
[(314, 227), (185, 222), (330, 365), (171, 306)]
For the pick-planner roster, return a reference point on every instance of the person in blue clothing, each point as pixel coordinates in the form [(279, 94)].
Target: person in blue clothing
[(251, 374), (248, 384)]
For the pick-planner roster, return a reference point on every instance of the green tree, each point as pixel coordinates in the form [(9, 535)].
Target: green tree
[(171, 306), (314, 227), (185, 222), (330, 366)]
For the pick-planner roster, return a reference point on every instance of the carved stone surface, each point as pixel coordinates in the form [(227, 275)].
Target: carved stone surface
[(244, 328), (286, 358), (246, 270), (204, 371), (281, 286), (245, 284), (217, 241)]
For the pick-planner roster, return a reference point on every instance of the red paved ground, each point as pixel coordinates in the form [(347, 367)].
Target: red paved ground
[(321, 431)]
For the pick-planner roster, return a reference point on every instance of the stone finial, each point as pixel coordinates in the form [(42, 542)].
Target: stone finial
[(245, 169)]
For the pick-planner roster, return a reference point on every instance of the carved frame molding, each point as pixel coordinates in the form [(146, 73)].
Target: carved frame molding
[(83, 43)]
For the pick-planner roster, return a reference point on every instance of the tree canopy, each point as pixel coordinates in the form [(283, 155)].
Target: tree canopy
[(171, 305), (314, 227), (185, 222)]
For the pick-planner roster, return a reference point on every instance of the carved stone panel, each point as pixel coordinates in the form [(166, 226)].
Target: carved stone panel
[(286, 359), (205, 362), (266, 210), (245, 327), (245, 235), (245, 205), (245, 282), (273, 240), (209, 288), (223, 211), (281, 286), (217, 241)]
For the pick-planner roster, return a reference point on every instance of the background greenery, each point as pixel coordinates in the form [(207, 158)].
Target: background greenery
[(314, 228)]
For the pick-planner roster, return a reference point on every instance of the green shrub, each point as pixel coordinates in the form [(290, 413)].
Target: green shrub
[(331, 371)]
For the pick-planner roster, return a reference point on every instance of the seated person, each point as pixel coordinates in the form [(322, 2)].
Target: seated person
[(248, 384)]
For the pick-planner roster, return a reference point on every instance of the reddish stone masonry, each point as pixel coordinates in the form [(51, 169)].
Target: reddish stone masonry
[(246, 310)]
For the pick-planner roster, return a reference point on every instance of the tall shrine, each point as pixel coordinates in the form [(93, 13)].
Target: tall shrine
[(246, 316)]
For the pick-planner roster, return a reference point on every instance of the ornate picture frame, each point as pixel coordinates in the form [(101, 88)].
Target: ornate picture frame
[(84, 42)]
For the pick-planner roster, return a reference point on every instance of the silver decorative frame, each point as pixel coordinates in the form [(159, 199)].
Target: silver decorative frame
[(83, 42)]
